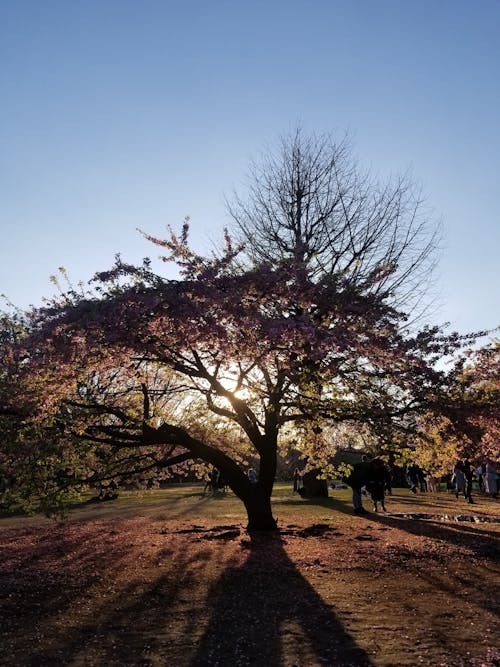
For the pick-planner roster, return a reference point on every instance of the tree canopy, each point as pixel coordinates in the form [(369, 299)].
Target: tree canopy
[(467, 426), (309, 200), (247, 351)]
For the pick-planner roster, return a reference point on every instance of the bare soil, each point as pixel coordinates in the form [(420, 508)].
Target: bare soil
[(172, 578)]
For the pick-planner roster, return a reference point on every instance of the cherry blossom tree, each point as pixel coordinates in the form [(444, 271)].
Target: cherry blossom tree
[(147, 373), (298, 331)]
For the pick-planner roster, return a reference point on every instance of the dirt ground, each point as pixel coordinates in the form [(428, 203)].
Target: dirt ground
[(173, 579)]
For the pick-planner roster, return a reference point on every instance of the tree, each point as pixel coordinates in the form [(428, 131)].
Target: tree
[(468, 424), (481, 379), (309, 201), (141, 374)]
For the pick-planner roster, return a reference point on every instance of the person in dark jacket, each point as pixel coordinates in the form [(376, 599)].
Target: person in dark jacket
[(375, 485), (412, 476), (469, 475), (367, 473)]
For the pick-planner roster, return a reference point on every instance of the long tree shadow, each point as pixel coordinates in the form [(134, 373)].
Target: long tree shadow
[(264, 608), (132, 625), (257, 612), (480, 543), (45, 568)]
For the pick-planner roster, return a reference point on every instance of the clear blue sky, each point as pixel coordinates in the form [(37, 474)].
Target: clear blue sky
[(118, 114)]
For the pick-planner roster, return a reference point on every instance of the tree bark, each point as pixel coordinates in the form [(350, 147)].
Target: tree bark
[(259, 511), (258, 501)]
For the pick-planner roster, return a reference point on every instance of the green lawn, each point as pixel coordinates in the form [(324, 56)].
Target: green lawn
[(187, 501)]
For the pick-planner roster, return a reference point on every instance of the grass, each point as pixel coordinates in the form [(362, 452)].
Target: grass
[(188, 500)]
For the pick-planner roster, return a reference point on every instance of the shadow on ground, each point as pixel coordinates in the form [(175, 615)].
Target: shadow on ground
[(265, 613), (105, 610)]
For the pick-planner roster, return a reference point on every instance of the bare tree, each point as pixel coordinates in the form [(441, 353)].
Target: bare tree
[(309, 200)]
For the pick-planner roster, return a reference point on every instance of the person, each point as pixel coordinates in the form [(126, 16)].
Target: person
[(252, 476), (412, 476), (356, 480), (447, 481), (220, 483), (491, 479), (363, 473), (211, 484), (459, 480), (388, 479), (480, 477), (422, 483), (297, 480), (467, 469), (376, 482), (431, 482)]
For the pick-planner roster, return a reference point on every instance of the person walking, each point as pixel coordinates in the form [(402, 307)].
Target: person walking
[(412, 477), (469, 476)]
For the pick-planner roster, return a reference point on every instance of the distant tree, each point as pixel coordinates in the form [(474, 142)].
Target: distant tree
[(240, 356), (482, 380), (467, 426)]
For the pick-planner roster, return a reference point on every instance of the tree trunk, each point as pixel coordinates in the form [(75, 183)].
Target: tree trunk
[(260, 515), (258, 501), (255, 496)]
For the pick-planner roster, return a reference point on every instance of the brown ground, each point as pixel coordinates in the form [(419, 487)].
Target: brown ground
[(173, 579)]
